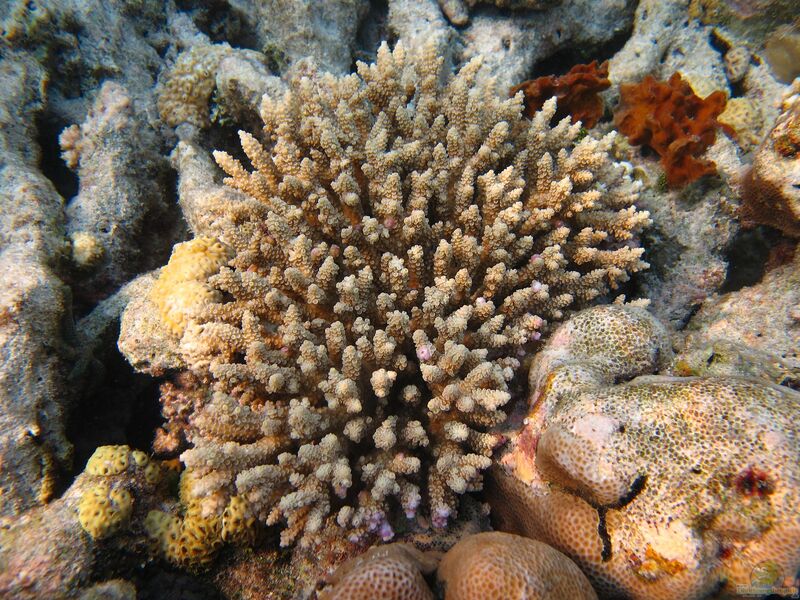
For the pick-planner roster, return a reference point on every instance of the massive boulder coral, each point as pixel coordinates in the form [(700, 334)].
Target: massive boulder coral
[(490, 564), (661, 487), (500, 565), (403, 238), (390, 571)]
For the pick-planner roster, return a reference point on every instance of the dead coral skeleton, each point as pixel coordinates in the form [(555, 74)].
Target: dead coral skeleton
[(405, 237)]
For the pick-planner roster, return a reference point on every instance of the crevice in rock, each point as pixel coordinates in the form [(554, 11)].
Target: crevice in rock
[(747, 258), (563, 60), (116, 405), (221, 22), (636, 487), (371, 32), (602, 531), (48, 128)]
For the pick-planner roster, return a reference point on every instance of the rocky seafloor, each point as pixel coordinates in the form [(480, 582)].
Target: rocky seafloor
[(302, 300)]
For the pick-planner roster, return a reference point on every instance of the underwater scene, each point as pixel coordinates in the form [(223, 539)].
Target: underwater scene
[(399, 299)]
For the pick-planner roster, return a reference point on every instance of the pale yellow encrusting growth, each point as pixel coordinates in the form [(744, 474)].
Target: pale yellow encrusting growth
[(102, 510), (182, 286), (409, 236)]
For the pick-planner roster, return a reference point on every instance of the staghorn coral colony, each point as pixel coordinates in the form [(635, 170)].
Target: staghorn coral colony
[(406, 238)]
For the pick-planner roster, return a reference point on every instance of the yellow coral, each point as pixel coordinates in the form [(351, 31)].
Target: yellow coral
[(200, 538), (164, 529), (744, 116), (87, 250), (140, 458), (238, 521), (192, 541), (152, 473), (181, 288), (108, 460), (102, 510)]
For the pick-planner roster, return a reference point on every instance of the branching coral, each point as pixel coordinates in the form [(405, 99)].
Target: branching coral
[(674, 122), (577, 92), (405, 239)]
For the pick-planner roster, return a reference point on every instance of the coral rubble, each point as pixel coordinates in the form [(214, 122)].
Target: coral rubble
[(672, 120), (660, 487), (576, 92), (402, 240)]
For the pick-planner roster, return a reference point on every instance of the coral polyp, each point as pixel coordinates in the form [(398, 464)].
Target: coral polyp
[(403, 239)]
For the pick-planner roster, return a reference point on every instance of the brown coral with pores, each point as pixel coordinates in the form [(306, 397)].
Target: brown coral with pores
[(389, 572), (577, 93), (402, 239), (502, 565), (672, 120), (660, 487), (770, 189)]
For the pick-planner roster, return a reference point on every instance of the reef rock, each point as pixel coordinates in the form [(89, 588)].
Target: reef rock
[(457, 11), (756, 329), (122, 178), (33, 301), (512, 44), (296, 29), (55, 550), (659, 487)]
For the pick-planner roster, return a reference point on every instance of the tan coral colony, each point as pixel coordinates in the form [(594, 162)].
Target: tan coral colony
[(403, 237)]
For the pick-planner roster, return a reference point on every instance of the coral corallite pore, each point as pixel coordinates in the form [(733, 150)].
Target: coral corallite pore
[(403, 238)]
